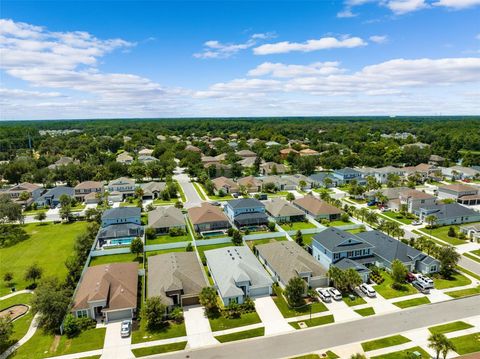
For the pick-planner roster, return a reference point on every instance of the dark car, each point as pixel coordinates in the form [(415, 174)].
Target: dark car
[(371, 203), (410, 277), (214, 203), (262, 196)]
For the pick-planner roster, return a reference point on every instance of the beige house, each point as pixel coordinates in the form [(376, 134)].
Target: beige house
[(208, 218), (251, 183), (163, 218), (84, 188), (317, 208), (124, 158), (269, 168), (227, 185)]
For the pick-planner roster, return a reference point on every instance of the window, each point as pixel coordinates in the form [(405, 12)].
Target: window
[(82, 313), (336, 256), (433, 268)]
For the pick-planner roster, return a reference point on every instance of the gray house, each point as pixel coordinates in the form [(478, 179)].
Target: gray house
[(286, 260), (52, 196), (121, 215), (448, 214), (162, 219), (237, 274), (284, 211)]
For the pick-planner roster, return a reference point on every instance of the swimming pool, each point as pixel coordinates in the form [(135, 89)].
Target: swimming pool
[(120, 241), (213, 234)]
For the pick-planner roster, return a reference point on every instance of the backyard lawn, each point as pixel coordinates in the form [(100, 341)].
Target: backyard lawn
[(384, 342), (386, 291), (265, 240), (450, 327), (457, 280), (202, 249), (43, 345), (222, 323), (288, 312), (49, 245), (314, 322), (116, 258), (167, 238), (397, 216), (20, 326), (442, 233), (308, 238), (295, 226), (162, 202), (252, 333), (412, 302), (467, 344), (339, 223)]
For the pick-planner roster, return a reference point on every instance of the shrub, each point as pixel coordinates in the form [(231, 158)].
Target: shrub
[(271, 226), (70, 326), (189, 247), (176, 315), (451, 232), (150, 233), (176, 232), (232, 311), (230, 231)]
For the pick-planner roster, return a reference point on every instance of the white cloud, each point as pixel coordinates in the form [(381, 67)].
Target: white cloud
[(346, 13), (400, 7), (214, 49), (379, 39), (457, 4), (280, 70), (308, 46)]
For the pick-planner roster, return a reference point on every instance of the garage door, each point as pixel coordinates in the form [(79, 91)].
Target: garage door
[(255, 292), (119, 315), (190, 301)]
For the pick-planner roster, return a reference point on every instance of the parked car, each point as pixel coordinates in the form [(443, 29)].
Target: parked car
[(416, 223), (262, 196), (385, 209), (126, 328), (235, 195), (421, 286), (335, 293), (368, 290), (215, 203), (425, 280), (410, 277), (324, 294), (371, 203)]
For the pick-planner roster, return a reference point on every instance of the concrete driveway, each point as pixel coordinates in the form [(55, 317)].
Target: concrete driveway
[(116, 347), (341, 311), (199, 332), (271, 317)]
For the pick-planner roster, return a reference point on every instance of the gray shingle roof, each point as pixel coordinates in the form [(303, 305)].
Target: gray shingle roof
[(245, 203), (122, 230), (336, 240), (121, 212), (165, 217), (346, 263), (450, 210), (280, 208)]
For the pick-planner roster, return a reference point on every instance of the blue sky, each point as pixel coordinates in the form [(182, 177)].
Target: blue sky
[(87, 59)]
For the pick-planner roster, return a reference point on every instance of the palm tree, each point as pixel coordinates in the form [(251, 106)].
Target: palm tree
[(447, 346), (327, 182), (437, 343), (362, 212), (358, 356)]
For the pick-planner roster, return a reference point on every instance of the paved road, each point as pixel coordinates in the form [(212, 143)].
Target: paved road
[(193, 199), (309, 340), (469, 264)]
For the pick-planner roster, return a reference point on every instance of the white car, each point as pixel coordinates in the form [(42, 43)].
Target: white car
[(368, 290), (335, 293), (126, 328), (416, 223), (426, 280), (324, 295)]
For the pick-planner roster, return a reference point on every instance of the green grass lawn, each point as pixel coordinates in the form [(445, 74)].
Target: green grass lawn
[(295, 226), (161, 202), (404, 354), (116, 258), (397, 216), (412, 302), (467, 344), (472, 257), (386, 291), (163, 251), (49, 245), (34, 212), (477, 252), (339, 223), (159, 349), (265, 240), (79, 207), (43, 345), (365, 312), (222, 323), (21, 325), (441, 233), (142, 334), (314, 322), (466, 271), (384, 342), (308, 238), (457, 280), (356, 230), (464, 292), (450, 327), (252, 333), (182, 194), (167, 238), (288, 312), (307, 356), (356, 301)]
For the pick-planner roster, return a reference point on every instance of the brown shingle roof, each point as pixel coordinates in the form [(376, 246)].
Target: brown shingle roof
[(89, 184), (458, 187), (116, 283), (205, 214), (316, 206)]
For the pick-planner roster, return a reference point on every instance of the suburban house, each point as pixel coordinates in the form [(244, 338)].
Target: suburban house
[(272, 168), (211, 160), (283, 211), (163, 218), (317, 208), (247, 162), (34, 191), (308, 152), (107, 291), (460, 173), (146, 159), (423, 170), (387, 249), (237, 274), (192, 148), (123, 185), (301, 182), (271, 143), (125, 158), (347, 175), (51, 198), (177, 278), (208, 218), (246, 154), (391, 194), (447, 214), (225, 185), (319, 179), (282, 183), (472, 231), (153, 190), (246, 212), (286, 151), (219, 169), (251, 183), (84, 188), (345, 250), (121, 215), (286, 260), (383, 173), (414, 199), (436, 160), (462, 193), (63, 161), (145, 152), (118, 234)]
